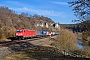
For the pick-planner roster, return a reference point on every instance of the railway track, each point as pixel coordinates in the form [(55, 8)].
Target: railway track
[(8, 43)]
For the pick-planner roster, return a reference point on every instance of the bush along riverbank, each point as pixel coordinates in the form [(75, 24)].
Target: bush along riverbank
[(68, 41)]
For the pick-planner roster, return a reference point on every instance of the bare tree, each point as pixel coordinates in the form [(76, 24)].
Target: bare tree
[(6, 10), (81, 9), (24, 14)]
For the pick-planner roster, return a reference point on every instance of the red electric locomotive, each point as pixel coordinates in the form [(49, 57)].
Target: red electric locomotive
[(22, 33)]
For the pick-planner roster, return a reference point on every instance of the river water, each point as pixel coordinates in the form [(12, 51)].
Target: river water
[(80, 44), (83, 45)]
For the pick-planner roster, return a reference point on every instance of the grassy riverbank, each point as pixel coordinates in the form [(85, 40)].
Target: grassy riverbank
[(67, 40)]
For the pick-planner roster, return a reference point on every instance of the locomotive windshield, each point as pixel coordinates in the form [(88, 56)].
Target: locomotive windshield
[(19, 31)]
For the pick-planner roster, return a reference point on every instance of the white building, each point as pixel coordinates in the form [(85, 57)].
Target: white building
[(42, 24), (57, 26)]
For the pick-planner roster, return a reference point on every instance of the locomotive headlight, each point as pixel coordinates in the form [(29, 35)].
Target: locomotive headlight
[(16, 33), (21, 33)]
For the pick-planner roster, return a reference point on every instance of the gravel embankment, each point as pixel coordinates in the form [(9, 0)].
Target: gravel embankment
[(4, 51), (21, 46)]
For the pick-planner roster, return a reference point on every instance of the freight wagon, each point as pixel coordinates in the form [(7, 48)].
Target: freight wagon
[(43, 32), (38, 33)]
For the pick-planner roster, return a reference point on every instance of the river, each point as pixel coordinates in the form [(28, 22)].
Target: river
[(83, 45), (80, 44)]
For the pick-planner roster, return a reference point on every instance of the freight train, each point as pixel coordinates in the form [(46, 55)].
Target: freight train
[(22, 33)]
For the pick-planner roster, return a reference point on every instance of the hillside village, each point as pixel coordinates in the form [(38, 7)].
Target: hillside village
[(47, 25)]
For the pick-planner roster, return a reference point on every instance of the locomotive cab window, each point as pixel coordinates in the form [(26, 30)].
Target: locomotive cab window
[(19, 31)]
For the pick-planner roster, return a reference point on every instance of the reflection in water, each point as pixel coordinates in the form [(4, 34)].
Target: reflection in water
[(80, 46)]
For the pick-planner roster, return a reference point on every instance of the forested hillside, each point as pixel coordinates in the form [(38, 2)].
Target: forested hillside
[(10, 20)]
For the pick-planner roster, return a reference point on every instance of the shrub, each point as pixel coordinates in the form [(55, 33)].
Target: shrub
[(84, 52), (86, 35), (7, 33), (66, 40)]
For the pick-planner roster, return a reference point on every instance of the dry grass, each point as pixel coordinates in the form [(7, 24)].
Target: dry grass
[(86, 35), (67, 40), (20, 56)]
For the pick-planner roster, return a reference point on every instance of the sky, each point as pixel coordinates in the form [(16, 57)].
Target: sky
[(58, 10)]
